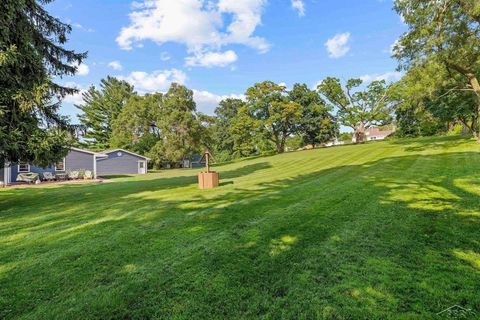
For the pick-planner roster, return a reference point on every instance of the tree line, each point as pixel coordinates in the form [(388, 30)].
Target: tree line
[(168, 128), (438, 54)]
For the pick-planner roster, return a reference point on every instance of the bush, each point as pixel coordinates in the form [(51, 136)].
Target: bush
[(455, 130)]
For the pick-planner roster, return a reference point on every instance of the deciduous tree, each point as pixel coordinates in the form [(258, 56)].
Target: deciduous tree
[(356, 108), (317, 125), (179, 125), (277, 116), (225, 115), (443, 31), (136, 127)]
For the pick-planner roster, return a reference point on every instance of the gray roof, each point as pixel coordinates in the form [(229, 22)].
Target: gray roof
[(123, 150)]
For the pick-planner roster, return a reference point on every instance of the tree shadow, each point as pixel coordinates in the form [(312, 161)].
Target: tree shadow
[(431, 143), (397, 236)]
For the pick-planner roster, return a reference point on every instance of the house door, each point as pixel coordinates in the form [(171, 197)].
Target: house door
[(141, 167)]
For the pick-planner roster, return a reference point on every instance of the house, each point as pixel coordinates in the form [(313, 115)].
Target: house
[(194, 161), (375, 133), (76, 160), (120, 161), (111, 162), (334, 142)]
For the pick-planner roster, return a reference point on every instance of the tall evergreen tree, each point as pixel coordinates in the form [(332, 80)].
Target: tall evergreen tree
[(101, 108), (31, 53)]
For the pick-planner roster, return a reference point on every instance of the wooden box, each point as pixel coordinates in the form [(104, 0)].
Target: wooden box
[(208, 180)]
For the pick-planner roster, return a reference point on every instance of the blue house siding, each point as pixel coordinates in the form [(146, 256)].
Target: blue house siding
[(194, 162), (74, 161), (35, 169), (118, 162)]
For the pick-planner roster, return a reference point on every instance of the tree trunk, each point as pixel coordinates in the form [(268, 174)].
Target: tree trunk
[(360, 133), (476, 88), (281, 146), (472, 79)]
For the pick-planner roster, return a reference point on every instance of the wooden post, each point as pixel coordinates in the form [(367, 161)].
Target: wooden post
[(208, 179)]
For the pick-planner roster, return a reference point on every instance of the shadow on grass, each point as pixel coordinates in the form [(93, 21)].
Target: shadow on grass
[(398, 236), (117, 176), (431, 143)]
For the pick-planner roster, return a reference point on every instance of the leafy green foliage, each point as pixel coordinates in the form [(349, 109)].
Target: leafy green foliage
[(356, 108), (244, 130), (317, 125), (430, 99), (179, 126), (345, 137), (225, 115), (135, 128), (445, 32), (277, 116)]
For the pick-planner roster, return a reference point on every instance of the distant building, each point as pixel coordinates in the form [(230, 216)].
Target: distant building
[(194, 161), (375, 133), (104, 163), (335, 142)]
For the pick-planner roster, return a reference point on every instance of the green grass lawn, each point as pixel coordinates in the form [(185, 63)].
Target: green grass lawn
[(374, 231)]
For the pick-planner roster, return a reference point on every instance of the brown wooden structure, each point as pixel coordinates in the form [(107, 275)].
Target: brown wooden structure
[(208, 179)]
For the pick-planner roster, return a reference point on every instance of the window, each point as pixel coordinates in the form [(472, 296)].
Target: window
[(119, 154), (23, 167), (60, 165), (142, 164)]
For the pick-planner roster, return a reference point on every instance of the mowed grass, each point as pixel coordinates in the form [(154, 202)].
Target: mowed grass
[(375, 231)]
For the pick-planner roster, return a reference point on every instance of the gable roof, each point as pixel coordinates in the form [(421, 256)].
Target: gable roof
[(98, 154), (126, 151)]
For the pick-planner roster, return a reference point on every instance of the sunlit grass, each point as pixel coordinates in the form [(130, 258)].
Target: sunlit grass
[(380, 230)]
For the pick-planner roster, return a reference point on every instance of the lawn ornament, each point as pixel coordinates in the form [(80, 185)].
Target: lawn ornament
[(208, 179)]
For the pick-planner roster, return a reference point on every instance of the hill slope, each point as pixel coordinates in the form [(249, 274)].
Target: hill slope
[(380, 230)]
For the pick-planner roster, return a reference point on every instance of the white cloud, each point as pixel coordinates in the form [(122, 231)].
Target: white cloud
[(198, 24), (81, 27), (83, 69), (115, 65), (387, 76), (299, 6), (338, 45), (246, 16), (75, 98), (157, 81), (212, 59), (164, 56), (207, 101)]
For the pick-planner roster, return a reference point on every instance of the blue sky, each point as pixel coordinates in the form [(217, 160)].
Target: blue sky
[(219, 48)]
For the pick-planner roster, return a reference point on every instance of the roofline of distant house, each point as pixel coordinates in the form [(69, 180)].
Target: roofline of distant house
[(98, 154), (135, 154)]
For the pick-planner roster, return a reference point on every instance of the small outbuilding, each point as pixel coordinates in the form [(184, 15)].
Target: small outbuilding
[(120, 161)]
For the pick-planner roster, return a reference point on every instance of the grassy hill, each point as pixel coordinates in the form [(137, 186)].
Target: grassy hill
[(381, 230)]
